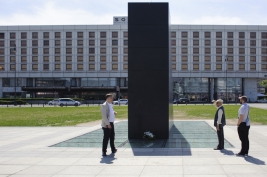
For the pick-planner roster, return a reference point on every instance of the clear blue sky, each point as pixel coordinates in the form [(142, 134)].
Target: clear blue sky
[(66, 12)]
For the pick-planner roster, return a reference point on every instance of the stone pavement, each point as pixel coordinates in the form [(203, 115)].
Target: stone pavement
[(25, 151)]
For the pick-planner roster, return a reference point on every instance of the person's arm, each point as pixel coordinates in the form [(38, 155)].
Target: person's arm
[(220, 113), (241, 116), (214, 103), (104, 114)]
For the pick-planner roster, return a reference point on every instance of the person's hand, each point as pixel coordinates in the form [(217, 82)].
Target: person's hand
[(109, 126), (213, 101), (115, 112), (218, 128)]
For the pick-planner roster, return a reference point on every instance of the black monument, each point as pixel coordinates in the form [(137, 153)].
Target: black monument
[(149, 70)]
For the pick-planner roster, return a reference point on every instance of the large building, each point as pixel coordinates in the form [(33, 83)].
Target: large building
[(86, 61)]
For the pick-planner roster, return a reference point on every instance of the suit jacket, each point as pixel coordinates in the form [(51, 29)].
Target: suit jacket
[(105, 114)]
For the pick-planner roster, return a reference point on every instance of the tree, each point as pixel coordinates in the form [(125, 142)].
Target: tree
[(264, 83)]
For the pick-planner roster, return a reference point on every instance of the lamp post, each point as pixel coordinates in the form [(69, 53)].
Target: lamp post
[(226, 68), (15, 51)]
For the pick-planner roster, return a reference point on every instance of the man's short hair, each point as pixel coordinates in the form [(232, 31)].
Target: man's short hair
[(220, 101), (244, 98), (109, 95)]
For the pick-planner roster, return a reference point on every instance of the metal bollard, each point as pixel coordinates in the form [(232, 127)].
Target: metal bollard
[(7, 105), (43, 104), (31, 104)]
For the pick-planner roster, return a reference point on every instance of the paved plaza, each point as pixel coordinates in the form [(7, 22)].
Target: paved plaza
[(26, 151)]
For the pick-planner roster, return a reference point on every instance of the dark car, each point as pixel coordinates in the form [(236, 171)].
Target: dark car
[(181, 101)]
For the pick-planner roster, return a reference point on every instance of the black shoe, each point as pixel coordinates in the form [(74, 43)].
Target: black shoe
[(240, 154), (218, 149), (114, 151), (104, 154)]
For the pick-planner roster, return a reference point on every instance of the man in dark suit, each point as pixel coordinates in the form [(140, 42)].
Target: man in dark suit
[(219, 122)]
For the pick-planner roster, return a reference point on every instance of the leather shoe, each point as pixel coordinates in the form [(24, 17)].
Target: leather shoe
[(114, 151), (240, 154), (104, 154), (217, 149)]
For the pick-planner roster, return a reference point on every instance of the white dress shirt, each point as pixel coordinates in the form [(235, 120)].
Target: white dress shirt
[(220, 113), (244, 109), (111, 113)]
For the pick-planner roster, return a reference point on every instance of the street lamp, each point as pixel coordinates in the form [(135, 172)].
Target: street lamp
[(15, 51), (226, 68)]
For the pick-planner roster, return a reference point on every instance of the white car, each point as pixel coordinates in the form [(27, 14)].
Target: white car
[(53, 102), (68, 102), (262, 101), (121, 101)]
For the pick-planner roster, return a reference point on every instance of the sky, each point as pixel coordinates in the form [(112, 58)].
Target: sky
[(91, 12)]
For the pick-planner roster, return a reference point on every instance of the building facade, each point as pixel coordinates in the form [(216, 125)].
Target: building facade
[(86, 61)]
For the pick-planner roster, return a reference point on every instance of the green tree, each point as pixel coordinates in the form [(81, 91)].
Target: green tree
[(264, 83)]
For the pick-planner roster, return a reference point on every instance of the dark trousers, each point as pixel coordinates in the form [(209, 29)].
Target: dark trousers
[(243, 136), (220, 138), (109, 134)]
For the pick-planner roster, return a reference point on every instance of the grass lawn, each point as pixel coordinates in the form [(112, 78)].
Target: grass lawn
[(66, 116)]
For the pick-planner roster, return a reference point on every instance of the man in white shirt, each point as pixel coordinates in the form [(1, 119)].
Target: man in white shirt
[(243, 126), (219, 122), (108, 118)]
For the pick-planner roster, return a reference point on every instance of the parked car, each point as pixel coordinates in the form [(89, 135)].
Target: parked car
[(262, 101), (181, 101), (68, 102), (53, 102), (121, 101)]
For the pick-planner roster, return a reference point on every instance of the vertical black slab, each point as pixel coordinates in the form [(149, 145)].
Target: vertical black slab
[(149, 70)]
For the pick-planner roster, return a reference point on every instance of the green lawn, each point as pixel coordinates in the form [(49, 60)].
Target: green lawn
[(66, 116)]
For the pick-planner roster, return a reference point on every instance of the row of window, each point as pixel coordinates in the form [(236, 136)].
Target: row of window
[(220, 50), (34, 35), (184, 42)]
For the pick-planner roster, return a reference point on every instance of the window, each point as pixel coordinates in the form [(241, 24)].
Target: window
[(218, 50), (45, 67), (125, 67), (46, 59), (2, 67), (12, 59), (241, 34), (23, 35), (103, 50), (252, 42), (114, 66), (12, 67), (264, 67), (125, 34), (103, 42), (46, 50), (91, 67), (264, 35), (91, 50), (173, 58), (241, 42), (103, 58), (253, 67), (57, 34), (195, 34), (80, 34), (230, 50), (68, 50), (91, 34), (184, 42), (103, 34), (184, 67), (2, 59), (34, 67), (34, 58), (114, 50), (264, 51), (253, 59), (114, 58), (57, 67), (196, 42), (184, 58), (57, 58), (241, 67), (173, 66), (125, 58), (207, 42), (91, 42), (68, 34), (23, 43), (207, 34), (80, 58), (34, 50), (173, 34), (23, 67), (80, 42), (68, 67), (264, 59), (114, 42), (23, 50), (218, 58), (114, 34), (46, 34), (79, 66), (253, 35), (102, 66), (125, 42), (12, 35), (195, 66), (184, 50), (196, 50), (34, 42), (252, 50), (91, 58), (195, 59), (241, 59), (207, 58), (207, 66), (264, 43), (218, 34), (173, 42), (46, 42), (2, 43), (68, 58), (57, 42), (173, 50), (218, 42), (2, 35), (23, 59), (230, 42), (69, 43), (35, 35), (184, 34), (57, 50), (241, 50), (230, 34), (218, 66), (230, 67), (80, 50)]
